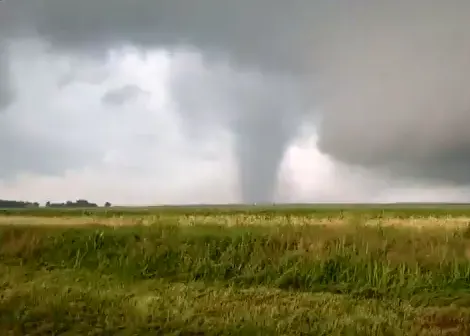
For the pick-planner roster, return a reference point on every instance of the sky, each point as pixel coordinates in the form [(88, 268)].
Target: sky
[(158, 102)]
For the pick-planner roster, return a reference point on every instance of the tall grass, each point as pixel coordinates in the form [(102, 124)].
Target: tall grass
[(403, 266), (368, 261)]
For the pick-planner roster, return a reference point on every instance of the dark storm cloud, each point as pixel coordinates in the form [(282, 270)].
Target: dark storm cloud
[(398, 96), (243, 30), (391, 78)]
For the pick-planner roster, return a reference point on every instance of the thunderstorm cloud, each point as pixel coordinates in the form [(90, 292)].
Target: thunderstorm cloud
[(383, 83)]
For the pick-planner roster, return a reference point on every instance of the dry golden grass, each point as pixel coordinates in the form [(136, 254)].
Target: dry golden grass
[(68, 221), (236, 220)]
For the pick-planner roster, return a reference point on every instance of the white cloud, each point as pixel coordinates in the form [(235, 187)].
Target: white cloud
[(73, 145)]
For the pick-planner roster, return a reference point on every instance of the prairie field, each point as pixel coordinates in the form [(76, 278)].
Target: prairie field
[(277, 270)]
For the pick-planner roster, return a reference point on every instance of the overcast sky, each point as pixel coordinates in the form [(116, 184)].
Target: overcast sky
[(217, 101)]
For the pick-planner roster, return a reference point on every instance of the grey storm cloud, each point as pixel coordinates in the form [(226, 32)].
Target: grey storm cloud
[(24, 145), (6, 90), (123, 95), (389, 79)]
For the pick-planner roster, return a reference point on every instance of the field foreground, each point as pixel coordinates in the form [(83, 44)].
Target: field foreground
[(269, 273)]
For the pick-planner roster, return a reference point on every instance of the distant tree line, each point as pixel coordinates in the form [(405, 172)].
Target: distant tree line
[(81, 203), (17, 204)]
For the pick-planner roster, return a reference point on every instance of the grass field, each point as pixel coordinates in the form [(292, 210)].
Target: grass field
[(390, 270)]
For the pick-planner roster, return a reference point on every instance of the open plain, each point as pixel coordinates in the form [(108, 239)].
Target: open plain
[(277, 270)]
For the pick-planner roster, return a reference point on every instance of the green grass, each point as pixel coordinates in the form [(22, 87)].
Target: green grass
[(82, 303), (242, 280)]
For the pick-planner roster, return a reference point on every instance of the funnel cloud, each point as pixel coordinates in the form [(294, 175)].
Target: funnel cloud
[(387, 82), (262, 112)]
